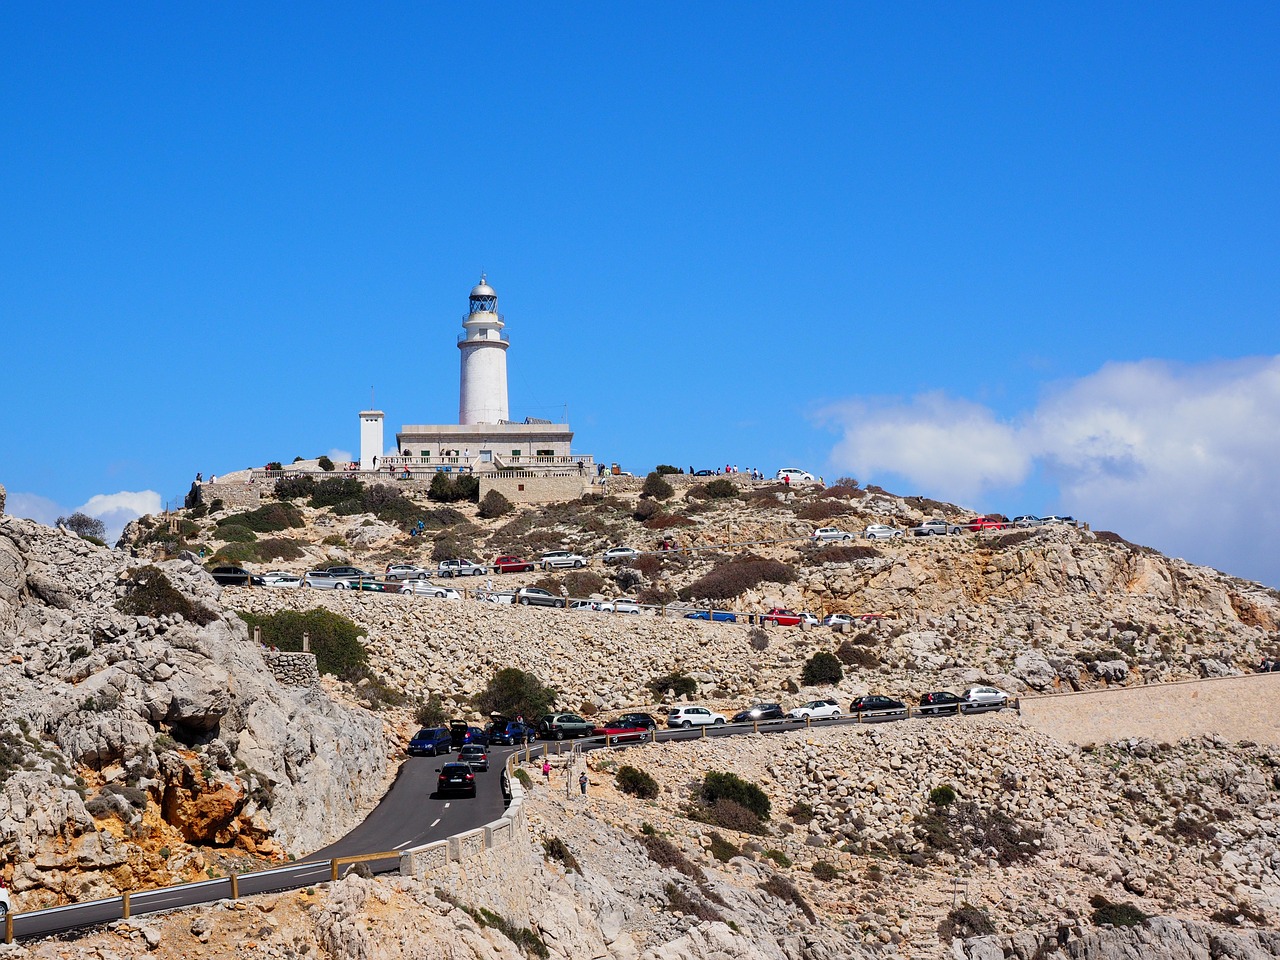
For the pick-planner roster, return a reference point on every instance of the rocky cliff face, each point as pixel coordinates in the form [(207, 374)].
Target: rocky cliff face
[(130, 746)]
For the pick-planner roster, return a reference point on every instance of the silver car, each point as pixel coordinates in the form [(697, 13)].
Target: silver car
[(461, 568), (324, 580), (880, 531), (406, 571), (557, 559)]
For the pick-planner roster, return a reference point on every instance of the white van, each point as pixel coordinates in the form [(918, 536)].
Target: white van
[(796, 475)]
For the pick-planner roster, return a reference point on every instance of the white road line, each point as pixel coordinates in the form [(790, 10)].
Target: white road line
[(434, 822), (446, 806), (399, 845)]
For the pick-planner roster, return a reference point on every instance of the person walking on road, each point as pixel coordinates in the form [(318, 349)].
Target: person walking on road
[(582, 782)]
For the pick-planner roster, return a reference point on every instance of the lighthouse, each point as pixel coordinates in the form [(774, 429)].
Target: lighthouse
[(482, 397)]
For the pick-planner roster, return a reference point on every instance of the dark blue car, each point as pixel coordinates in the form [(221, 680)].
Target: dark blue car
[(720, 616), (430, 742), (511, 732)]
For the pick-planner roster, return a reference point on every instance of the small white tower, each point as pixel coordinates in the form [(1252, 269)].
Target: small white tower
[(370, 438), (483, 394)]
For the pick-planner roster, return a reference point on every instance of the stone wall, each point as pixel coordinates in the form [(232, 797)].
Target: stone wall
[(534, 489), (291, 668), (1235, 708), (234, 496), (678, 481)]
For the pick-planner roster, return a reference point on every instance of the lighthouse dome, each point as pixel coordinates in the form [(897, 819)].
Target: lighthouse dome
[(482, 289)]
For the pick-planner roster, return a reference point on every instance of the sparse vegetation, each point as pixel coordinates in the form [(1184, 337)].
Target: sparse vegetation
[(735, 577), (729, 786), (83, 525), (820, 669), (557, 850), (824, 870), (964, 921), (721, 848), (656, 487), (783, 889), (335, 640), (680, 902), (430, 712), (148, 593), (1116, 914), (514, 692), (636, 782), (676, 684), (494, 505)]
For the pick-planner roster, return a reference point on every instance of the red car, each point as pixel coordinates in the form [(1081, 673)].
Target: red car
[(512, 565), (782, 617), (978, 524), (619, 732)]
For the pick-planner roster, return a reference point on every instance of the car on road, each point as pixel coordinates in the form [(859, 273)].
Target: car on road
[(460, 568), (509, 564), (461, 733), (719, 616), (872, 707), (794, 475), (372, 585), (322, 580), (619, 605), (637, 720), (759, 712), (538, 597), (827, 534), (422, 588), (704, 473), (693, 717), (279, 578), (511, 733), (456, 778), (430, 742), (620, 555), (982, 524), (881, 531), (838, 619), (558, 726), (560, 559), (6, 903), (810, 619), (980, 698), (936, 528), (346, 573), (405, 571), (619, 731), (235, 577), (782, 616), (1028, 520), (816, 710), (1054, 518), (475, 756), (939, 703)]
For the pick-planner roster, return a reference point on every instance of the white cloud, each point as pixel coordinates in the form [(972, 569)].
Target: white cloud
[(32, 506), (340, 456), (1179, 456), (117, 509)]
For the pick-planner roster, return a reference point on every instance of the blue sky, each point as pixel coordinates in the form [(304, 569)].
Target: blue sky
[(1022, 259)]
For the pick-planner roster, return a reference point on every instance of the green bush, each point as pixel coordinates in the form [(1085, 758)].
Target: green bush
[(493, 505), (824, 870), (430, 712), (1116, 914), (557, 849), (721, 489), (722, 849), (325, 464), (636, 782), (295, 488), (853, 654), (656, 487), (729, 786), (332, 491), (513, 692), (942, 796), (646, 510), (678, 683), (269, 518), (821, 668), (666, 469), (453, 488), (778, 857), (148, 593), (335, 640), (234, 533), (275, 465)]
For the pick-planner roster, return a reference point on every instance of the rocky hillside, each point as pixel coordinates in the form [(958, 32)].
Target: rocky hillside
[(140, 749)]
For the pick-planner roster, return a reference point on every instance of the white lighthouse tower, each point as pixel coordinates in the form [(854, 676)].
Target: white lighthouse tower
[(483, 394)]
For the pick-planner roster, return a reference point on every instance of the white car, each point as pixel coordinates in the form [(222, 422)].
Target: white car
[(557, 559), (794, 475), (619, 605), (324, 580), (1028, 520), (6, 904), (461, 568), (810, 619), (980, 698), (1053, 518), (693, 717), (816, 710), (405, 571), (278, 578), (838, 619), (831, 533), (424, 589), (620, 554), (880, 531)]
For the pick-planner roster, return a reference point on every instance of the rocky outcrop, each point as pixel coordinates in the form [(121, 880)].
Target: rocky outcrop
[(186, 721)]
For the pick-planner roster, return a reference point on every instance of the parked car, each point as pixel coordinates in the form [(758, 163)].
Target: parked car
[(559, 559), (981, 524), (838, 619), (235, 577), (759, 712), (6, 903), (719, 616), (475, 756), (809, 618), (693, 717), (816, 710), (936, 528), (278, 578), (537, 597), (638, 720), (1069, 521), (874, 708), (422, 588), (782, 616), (619, 605), (557, 726), (405, 571), (430, 742), (509, 564), (347, 572), (511, 733), (982, 698), (825, 534), (939, 703), (620, 555), (619, 731), (1028, 520), (794, 475), (456, 778), (322, 580), (461, 733), (881, 531), (371, 585), (704, 473), (461, 568)]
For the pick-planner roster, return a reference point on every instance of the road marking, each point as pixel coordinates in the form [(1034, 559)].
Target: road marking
[(446, 806), (434, 822), (399, 845)]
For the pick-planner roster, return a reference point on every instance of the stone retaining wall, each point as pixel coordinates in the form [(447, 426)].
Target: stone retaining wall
[(1235, 708), (293, 669), (534, 489), (234, 496)]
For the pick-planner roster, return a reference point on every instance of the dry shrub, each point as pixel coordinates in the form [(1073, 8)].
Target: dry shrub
[(841, 490), (823, 509), (681, 902), (1005, 540), (783, 889), (648, 564), (732, 579), (853, 655), (666, 854), (583, 583), (665, 521)]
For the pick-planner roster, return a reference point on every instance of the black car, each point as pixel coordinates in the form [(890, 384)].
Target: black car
[(457, 778), (760, 712), (510, 733), (461, 733), (235, 577), (345, 572), (430, 742), (873, 708), (939, 703), (637, 720)]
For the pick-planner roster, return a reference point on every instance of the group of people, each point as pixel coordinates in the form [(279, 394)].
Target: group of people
[(582, 777)]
